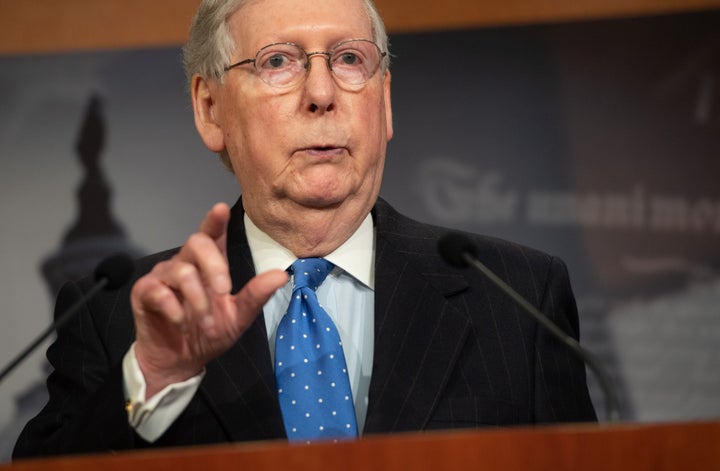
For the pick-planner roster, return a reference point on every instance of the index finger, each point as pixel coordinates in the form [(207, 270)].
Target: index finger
[(216, 220), (206, 249)]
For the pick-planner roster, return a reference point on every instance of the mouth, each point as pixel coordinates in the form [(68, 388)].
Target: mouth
[(323, 151)]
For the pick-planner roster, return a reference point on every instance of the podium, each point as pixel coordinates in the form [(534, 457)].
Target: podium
[(656, 447)]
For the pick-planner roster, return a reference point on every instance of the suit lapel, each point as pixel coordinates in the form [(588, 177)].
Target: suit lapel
[(241, 382), (418, 333)]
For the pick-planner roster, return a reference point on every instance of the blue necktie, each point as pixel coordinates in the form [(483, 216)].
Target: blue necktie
[(313, 383)]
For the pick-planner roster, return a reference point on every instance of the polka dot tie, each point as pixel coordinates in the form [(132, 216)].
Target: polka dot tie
[(313, 384)]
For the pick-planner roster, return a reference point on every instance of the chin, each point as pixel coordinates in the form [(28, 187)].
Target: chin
[(320, 202), (320, 194)]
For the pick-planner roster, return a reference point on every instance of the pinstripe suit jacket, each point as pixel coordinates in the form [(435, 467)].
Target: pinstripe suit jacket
[(450, 351)]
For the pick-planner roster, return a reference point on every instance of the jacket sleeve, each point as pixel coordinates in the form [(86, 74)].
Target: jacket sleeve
[(86, 407)]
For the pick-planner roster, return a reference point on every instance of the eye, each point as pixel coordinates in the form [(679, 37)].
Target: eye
[(354, 54), (275, 60), (349, 58), (279, 56)]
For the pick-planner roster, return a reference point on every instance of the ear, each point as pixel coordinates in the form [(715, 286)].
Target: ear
[(388, 105), (204, 93)]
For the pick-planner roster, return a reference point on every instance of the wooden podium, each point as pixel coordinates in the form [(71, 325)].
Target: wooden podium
[(656, 447)]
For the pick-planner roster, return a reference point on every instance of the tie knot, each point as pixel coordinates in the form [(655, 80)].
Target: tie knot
[(310, 272)]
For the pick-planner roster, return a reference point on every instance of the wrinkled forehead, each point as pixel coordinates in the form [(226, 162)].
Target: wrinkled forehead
[(320, 22)]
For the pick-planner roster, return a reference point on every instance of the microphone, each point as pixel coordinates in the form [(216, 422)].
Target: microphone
[(110, 274), (460, 252)]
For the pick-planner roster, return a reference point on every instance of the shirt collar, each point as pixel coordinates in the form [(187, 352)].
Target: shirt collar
[(356, 256)]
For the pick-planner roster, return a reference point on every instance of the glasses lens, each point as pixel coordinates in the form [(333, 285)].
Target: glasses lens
[(281, 64), (354, 62)]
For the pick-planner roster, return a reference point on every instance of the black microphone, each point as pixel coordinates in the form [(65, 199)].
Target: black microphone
[(460, 252), (110, 274)]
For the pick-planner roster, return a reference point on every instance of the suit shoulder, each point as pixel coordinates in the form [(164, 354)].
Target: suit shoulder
[(422, 238), (146, 263), (141, 266)]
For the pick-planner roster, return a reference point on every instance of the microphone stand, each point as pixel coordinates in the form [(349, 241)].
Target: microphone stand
[(55, 325), (612, 407)]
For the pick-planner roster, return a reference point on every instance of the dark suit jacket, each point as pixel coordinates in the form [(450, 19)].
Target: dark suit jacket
[(450, 351)]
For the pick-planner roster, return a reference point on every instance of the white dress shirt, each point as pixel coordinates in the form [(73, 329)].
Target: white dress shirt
[(347, 295)]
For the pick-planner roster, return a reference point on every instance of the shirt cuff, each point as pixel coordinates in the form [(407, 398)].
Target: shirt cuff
[(152, 418)]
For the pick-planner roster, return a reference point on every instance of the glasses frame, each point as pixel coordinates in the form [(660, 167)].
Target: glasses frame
[(308, 55)]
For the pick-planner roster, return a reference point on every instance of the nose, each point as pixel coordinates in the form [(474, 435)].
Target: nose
[(320, 86)]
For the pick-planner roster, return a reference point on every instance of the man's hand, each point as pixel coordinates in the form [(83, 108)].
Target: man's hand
[(184, 313)]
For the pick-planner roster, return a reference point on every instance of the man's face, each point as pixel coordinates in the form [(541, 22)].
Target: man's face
[(315, 144)]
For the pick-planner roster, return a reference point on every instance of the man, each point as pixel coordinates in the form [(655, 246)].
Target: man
[(296, 99)]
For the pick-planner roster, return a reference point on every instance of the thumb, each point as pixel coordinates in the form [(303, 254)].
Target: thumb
[(253, 296)]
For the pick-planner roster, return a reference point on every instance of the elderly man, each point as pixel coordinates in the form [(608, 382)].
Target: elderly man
[(296, 99)]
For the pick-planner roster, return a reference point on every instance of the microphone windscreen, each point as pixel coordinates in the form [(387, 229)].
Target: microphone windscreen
[(452, 247), (116, 269)]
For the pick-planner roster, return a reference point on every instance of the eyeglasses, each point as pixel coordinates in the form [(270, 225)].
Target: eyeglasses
[(282, 65)]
